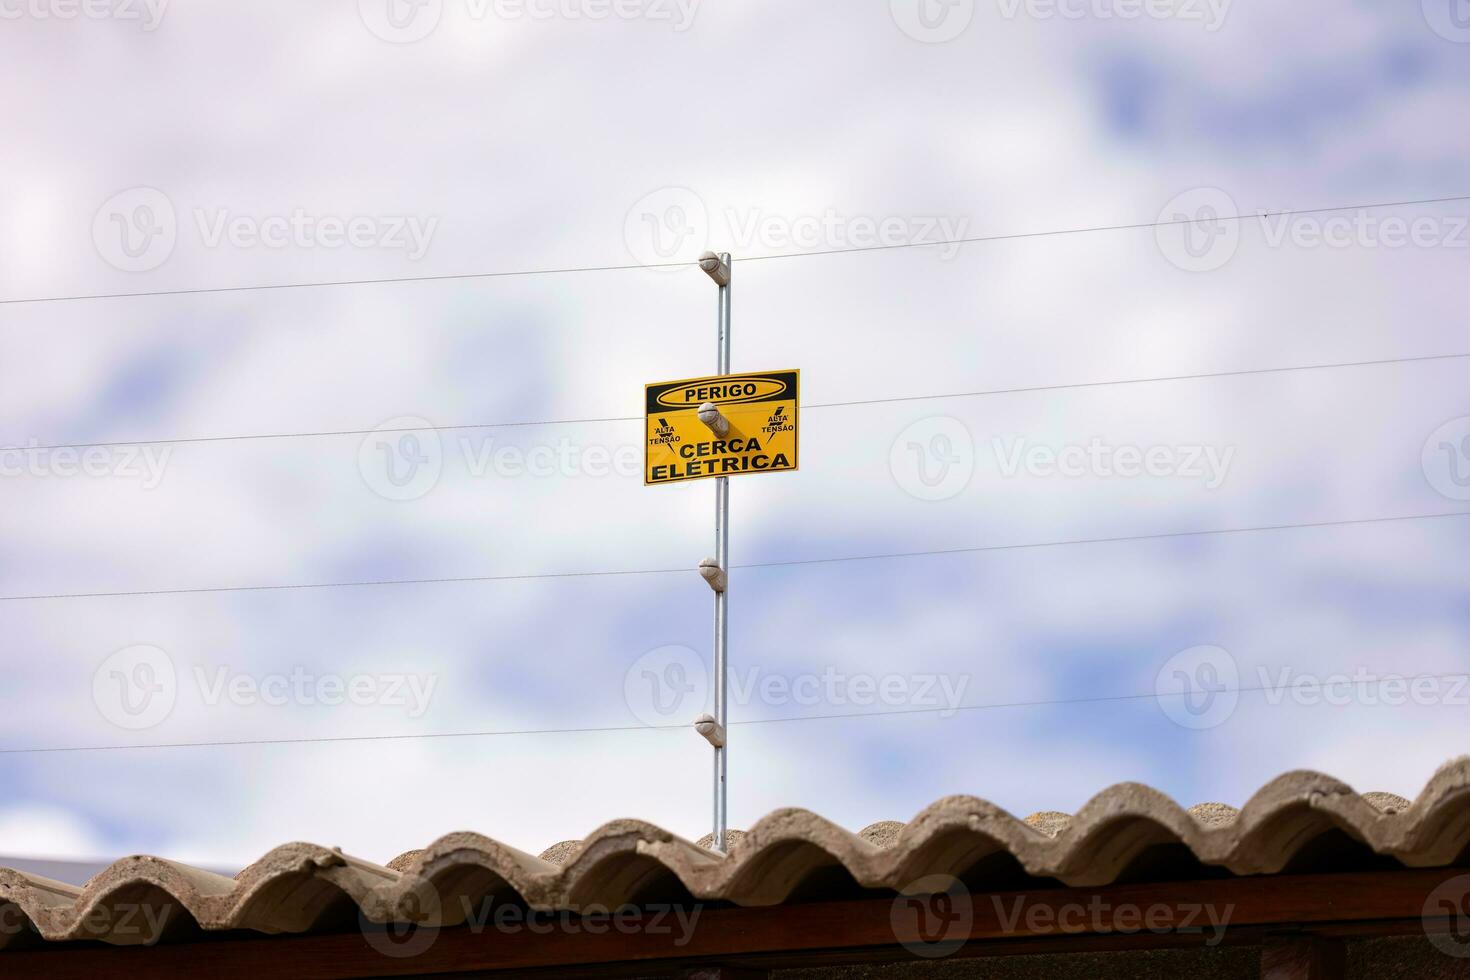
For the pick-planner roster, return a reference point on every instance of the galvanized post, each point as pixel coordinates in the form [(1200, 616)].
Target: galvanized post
[(715, 571), (722, 614)]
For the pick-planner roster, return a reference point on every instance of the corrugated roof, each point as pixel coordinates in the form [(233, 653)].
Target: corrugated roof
[(1299, 821)]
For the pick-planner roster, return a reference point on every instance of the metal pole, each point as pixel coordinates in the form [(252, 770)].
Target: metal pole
[(722, 558)]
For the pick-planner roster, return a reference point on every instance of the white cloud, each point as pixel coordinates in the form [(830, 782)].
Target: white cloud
[(530, 142), (39, 830)]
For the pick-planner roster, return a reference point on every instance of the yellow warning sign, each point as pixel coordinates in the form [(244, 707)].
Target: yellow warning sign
[(761, 410)]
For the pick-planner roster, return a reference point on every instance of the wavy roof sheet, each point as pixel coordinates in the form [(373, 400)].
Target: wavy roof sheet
[(1300, 821)]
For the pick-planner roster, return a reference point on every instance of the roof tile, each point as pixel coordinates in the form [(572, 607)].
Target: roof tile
[(300, 887)]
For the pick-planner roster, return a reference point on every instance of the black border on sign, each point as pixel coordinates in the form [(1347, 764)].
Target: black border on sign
[(795, 398)]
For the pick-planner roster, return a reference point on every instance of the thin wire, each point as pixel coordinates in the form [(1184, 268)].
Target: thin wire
[(1162, 536), (348, 282), (337, 432), (791, 563), (1104, 699), (1103, 228), (886, 713), (1138, 381), (346, 585), (755, 258), (816, 405)]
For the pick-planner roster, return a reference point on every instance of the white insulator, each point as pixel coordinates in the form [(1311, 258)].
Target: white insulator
[(710, 416), (712, 573), (713, 731), (717, 270)]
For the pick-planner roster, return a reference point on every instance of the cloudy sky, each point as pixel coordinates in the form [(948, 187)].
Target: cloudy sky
[(156, 148)]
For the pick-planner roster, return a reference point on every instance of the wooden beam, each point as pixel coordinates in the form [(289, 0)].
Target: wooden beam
[(1135, 916), (726, 973), (1303, 957)]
